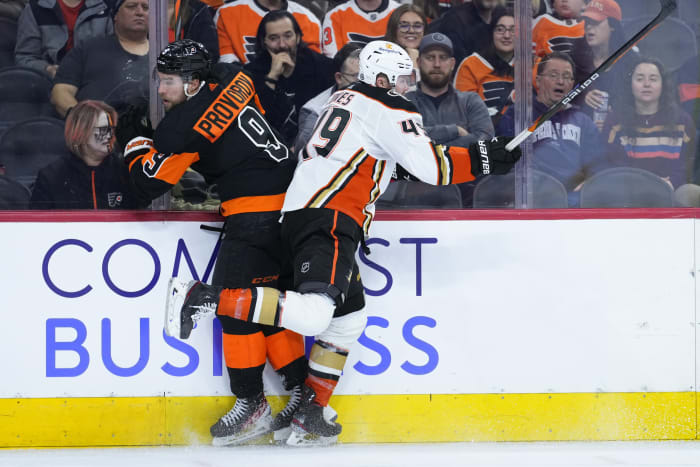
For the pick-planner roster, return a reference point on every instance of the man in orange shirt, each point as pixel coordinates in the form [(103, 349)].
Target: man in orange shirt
[(237, 23)]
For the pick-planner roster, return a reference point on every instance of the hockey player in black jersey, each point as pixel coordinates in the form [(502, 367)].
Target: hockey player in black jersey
[(363, 133), (214, 125)]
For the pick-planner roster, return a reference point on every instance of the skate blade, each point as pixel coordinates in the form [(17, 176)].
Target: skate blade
[(173, 303), (302, 438), (282, 435), (241, 438)]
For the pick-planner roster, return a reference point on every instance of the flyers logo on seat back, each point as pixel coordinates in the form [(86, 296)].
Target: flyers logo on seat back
[(225, 108)]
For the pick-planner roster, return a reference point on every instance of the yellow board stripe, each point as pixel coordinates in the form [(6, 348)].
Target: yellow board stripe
[(366, 419)]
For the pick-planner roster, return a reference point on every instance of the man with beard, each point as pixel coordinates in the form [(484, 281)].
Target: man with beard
[(286, 73), (214, 124), (468, 26), (451, 117), (567, 146)]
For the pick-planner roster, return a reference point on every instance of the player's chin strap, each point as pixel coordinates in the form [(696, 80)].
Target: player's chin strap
[(189, 96)]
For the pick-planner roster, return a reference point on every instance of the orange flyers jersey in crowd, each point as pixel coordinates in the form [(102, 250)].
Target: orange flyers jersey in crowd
[(550, 34), (476, 74), (237, 24), (362, 134), (348, 23)]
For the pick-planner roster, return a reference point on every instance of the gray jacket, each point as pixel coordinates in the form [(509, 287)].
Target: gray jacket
[(459, 108), (42, 33)]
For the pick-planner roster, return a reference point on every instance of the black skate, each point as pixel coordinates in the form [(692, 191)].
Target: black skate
[(309, 426), (248, 419), (186, 303)]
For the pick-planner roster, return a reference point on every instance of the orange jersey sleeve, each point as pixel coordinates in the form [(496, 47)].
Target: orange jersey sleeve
[(550, 34), (348, 23)]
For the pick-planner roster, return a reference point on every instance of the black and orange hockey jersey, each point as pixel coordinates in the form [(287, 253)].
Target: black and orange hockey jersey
[(550, 34), (476, 74), (349, 23), (362, 134), (220, 133), (237, 24)]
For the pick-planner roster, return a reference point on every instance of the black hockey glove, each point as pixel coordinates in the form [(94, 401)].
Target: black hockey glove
[(491, 157), (134, 122)]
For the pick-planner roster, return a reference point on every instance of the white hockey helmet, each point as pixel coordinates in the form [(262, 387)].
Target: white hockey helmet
[(384, 57)]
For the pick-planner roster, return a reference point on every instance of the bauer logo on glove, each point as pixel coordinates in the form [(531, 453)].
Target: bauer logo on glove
[(492, 157)]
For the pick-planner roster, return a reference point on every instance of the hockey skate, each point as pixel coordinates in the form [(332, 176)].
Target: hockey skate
[(282, 423), (186, 303), (248, 419), (309, 425)]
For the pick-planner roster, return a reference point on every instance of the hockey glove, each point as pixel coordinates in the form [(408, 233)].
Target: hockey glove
[(491, 157), (133, 123)]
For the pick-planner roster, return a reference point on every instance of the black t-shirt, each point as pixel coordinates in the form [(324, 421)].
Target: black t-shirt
[(101, 69)]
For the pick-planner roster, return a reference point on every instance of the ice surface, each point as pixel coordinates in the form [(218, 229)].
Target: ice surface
[(633, 453)]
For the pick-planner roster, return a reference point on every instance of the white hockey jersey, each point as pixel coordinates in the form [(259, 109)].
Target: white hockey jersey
[(362, 133)]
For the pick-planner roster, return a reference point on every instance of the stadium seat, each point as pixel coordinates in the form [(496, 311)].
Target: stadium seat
[(8, 38), (673, 41), (29, 146), (498, 191), (403, 194), (13, 195), (626, 187), (24, 93)]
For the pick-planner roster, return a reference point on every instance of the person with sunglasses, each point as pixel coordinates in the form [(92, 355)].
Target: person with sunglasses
[(91, 176)]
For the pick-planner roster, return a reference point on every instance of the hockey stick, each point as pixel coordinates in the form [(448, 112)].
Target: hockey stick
[(667, 7)]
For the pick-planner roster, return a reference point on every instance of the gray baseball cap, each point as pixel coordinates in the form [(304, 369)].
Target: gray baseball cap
[(436, 40)]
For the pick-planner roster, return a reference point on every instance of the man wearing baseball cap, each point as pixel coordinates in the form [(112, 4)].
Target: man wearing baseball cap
[(451, 117)]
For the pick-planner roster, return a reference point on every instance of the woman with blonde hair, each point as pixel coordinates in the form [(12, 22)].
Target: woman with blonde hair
[(92, 176)]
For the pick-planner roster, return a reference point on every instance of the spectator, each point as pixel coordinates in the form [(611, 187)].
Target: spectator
[(238, 21), (355, 21), (406, 27), (286, 73), (568, 145), (451, 117), (490, 71), (468, 26), (346, 63), (92, 176), (603, 35), (197, 24), (648, 129), (113, 69), (557, 32), (48, 29)]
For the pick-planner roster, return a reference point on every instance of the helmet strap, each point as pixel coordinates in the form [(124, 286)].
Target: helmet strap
[(184, 88)]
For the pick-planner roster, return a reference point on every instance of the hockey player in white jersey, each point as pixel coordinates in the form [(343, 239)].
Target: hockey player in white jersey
[(363, 132)]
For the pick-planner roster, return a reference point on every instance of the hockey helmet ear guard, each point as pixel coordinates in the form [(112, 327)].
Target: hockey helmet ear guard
[(384, 58), (186, 58)]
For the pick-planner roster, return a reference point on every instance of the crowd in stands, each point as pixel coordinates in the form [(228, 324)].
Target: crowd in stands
[(80, 64)]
